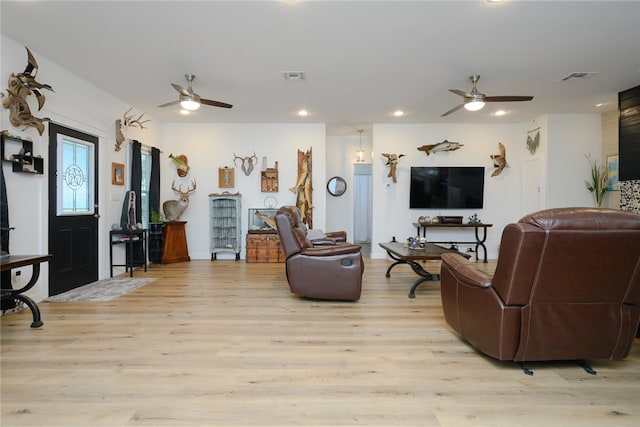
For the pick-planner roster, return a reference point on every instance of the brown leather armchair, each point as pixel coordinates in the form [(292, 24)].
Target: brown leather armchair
[(566, 287), (331, 271)]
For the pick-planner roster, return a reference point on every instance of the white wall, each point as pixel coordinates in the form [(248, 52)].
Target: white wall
[(392, 216), (571, 137), (75, 104), (211, 146)]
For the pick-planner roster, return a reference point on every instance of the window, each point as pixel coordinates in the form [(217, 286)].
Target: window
[(75, 182)]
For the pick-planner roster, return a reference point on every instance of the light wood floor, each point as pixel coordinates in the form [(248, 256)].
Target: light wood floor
[(224, 343)]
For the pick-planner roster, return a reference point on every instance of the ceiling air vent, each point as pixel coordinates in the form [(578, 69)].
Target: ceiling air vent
[(294, 76), (580, 75)]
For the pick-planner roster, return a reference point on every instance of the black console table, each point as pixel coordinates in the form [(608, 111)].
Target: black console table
[(9, 262), (479, 242), (128, 238)]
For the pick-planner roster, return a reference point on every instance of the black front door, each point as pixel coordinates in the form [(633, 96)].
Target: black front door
[(73, 219)]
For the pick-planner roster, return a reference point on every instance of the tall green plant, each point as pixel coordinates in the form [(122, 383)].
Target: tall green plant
[(599, 180)]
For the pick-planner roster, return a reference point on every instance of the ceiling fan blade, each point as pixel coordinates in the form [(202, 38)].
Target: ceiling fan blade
[(180, 89), (453, 110), (460, 92), (507, 98), (168, 104), (215, 103)]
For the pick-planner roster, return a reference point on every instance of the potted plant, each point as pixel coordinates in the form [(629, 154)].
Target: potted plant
[(156, 221), (599, 180)]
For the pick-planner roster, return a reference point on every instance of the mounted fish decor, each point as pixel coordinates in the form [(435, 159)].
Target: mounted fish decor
[(441, 146), (126, 123), (499, 160), (22, 85), (182, 164), (392, 162), (268, 220)]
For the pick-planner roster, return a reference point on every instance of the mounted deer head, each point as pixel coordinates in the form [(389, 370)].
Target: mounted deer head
[(173, 209), (247, 162)]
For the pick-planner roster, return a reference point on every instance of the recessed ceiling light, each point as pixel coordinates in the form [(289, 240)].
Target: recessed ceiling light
[(398, 113), (303, 113), (500, 113)]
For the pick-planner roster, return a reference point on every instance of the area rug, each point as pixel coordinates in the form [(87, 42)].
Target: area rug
[(102, 290)]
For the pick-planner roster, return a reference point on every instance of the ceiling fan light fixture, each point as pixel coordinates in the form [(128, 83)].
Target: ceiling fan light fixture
[(474, 105), (189, 103)]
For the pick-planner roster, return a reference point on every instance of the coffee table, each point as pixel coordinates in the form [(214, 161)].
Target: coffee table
[(404, 255)]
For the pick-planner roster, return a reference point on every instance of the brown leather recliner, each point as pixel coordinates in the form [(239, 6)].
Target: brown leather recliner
[(566, 287), (330, 271)]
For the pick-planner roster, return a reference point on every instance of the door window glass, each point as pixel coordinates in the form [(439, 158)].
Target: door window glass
[(75, 177)]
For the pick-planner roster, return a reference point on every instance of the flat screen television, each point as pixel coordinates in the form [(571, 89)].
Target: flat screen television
[(446, 187)]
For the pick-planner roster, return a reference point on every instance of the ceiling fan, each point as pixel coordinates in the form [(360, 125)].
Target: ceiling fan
[(474, 100), (189, 100)]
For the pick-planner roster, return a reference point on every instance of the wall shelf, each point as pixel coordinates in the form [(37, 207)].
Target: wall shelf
[(19, 152)]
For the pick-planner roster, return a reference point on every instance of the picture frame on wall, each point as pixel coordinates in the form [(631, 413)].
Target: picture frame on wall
[(117, 174), (612, 171), (226, 177)]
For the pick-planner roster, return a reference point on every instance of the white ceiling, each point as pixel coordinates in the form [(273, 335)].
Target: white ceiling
[(362, 59)]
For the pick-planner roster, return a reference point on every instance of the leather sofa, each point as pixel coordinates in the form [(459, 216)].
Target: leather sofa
[(330, 270), (566, 287)]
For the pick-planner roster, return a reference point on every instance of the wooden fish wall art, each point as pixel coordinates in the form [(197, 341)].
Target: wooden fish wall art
[(441, 146), (22, 85), (499, 160), (392, 162)]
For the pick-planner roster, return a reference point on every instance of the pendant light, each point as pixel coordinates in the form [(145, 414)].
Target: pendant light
[(360, 152)]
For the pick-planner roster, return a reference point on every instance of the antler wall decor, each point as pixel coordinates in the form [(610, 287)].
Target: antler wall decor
[(22, 85), (123, 125), (247, 162)]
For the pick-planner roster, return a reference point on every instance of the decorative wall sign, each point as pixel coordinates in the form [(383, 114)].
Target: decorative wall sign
[(226, 177), (117, 174)]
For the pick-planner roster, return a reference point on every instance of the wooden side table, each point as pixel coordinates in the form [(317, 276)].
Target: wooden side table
[(175, 243)]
